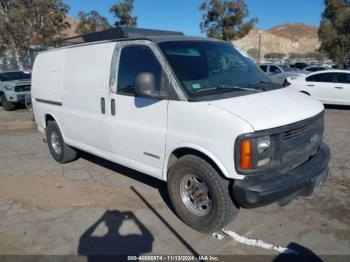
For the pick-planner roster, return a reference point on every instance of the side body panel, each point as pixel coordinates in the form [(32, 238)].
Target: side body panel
[(85, 87), (320, 91), (341, 89), (47, 86), (341, 94)]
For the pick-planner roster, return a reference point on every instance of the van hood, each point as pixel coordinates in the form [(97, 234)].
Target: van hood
[(18, 82), (271, 109), (22, 82)]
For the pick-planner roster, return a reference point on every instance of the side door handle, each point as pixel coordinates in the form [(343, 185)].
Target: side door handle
[(103, 105), (113, 107), (310, 85), (338, 87)]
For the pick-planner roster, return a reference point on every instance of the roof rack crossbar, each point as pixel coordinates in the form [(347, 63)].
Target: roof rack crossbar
[(114, 33)]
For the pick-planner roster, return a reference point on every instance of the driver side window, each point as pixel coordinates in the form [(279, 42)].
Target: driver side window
[(133, 61)]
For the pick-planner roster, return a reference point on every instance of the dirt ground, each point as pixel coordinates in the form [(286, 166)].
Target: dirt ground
[(15, 120), (93, 206)]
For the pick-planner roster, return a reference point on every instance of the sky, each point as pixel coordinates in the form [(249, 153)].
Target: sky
[(184, 15)]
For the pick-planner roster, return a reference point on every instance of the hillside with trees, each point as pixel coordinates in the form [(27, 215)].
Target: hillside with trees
[(285, 39)]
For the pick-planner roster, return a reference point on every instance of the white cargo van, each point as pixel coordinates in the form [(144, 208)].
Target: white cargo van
[(190, 111)]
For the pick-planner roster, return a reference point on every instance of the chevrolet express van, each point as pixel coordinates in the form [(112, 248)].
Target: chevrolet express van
[(191, 111)]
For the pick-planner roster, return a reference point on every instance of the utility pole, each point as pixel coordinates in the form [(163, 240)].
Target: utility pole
[(260, 35)]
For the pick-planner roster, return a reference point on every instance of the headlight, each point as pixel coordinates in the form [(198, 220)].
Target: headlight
[(263, 144), (9, 88), (254, 152)]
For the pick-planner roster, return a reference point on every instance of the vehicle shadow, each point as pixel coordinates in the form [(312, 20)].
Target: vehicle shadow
[(303, 254), (338, 107), (17, 107), (106, 247), (156, 183), (128, 172)]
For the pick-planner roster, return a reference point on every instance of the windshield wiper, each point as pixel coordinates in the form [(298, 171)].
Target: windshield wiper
[(264, 84), (228, 88), (260, 83)]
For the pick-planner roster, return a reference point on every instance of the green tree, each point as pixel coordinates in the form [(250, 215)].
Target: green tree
[(253, 53), (334, 31), (91, 22), (30, 22), (7, 63), (274, 55), (123, 12), (225, 19)]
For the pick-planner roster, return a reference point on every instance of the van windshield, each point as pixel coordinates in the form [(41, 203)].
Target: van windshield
[(210, 67)]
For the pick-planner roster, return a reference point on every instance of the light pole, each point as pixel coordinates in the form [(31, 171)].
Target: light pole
[(260, 35)]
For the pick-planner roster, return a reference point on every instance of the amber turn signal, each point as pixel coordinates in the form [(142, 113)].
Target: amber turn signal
[(246, 154)]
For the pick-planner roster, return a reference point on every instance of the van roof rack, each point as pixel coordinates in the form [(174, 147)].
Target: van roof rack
[(115, 33)]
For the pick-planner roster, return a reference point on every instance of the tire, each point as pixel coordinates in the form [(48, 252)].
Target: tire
[(6, 105), (32, 117), (215, 214), (59, 150)]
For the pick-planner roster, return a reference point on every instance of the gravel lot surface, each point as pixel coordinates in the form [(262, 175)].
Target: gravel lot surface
[(89, 206)]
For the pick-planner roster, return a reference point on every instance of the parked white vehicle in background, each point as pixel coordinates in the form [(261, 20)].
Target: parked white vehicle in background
[(330, 86), (316, 68), (280, 72), (14, 86), (190, 111)]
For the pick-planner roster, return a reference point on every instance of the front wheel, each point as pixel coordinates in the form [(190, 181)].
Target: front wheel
[(6, 105), (199, 195)]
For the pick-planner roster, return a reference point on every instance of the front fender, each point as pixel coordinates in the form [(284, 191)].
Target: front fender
[(198, 148), (7, 93)]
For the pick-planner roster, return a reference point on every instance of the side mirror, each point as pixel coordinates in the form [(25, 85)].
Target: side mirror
[(145, 86)]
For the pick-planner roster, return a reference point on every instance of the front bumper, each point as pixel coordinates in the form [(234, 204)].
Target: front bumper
[(301, 181), (17, 97)]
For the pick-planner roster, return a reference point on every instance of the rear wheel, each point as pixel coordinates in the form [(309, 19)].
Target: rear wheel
[(6, 105), (199, 195), (60, 151)]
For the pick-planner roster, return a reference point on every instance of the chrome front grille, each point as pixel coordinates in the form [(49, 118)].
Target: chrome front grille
[(24, 88), (301, 143), (293, 133)]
